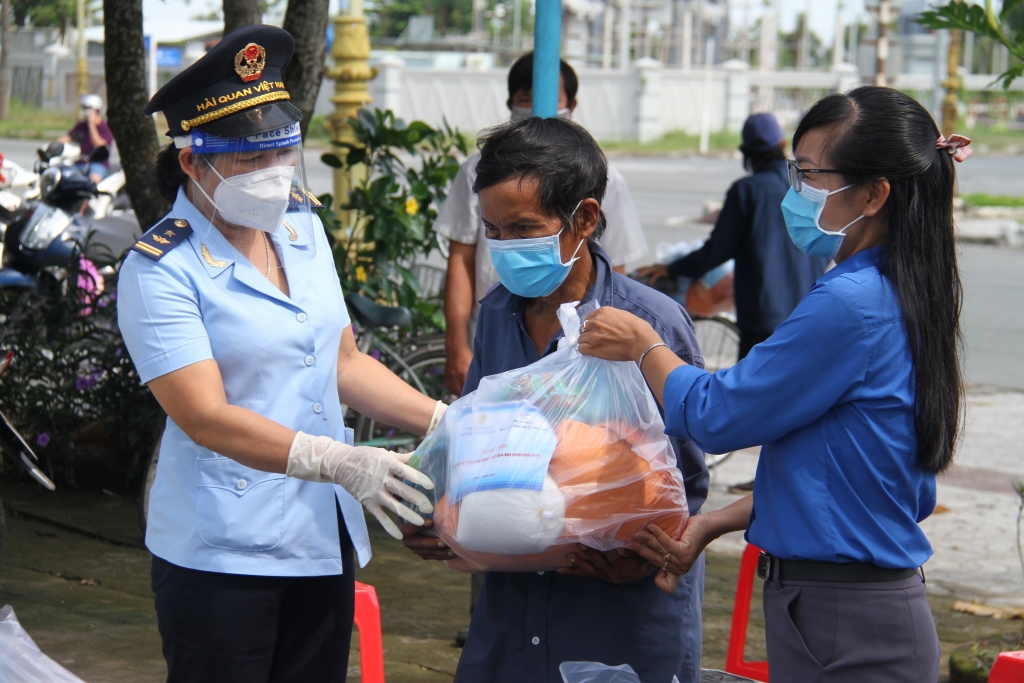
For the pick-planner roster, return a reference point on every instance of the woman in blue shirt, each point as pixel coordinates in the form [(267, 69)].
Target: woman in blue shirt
[(232, 312), (856, 398)]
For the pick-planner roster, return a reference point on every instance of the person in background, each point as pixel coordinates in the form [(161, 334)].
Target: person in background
[(470, 270), (772, 275), (90, 133)]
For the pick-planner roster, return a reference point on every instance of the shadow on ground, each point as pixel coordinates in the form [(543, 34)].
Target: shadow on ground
[(88, 605)]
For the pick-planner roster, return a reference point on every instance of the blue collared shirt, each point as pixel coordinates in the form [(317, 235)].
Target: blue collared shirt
[(278, 357), (526, 624), (830, 396)]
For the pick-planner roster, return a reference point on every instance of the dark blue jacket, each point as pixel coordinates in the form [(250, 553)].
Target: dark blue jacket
[(772, 275)]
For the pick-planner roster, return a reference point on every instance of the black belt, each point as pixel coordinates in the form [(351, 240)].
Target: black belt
[(769, 567)]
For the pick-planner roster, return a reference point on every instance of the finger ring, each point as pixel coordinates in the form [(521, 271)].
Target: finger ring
[(664, 567), (584, 328)]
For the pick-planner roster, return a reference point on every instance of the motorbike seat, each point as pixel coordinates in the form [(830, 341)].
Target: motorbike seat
[(370, 313)]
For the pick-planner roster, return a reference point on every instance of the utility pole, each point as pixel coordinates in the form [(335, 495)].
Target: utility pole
[(745, 33), (882, 45), (625, 34), (686, 50), (517, 24), (837, 39), (83, 64), (804, 55), (952, 84), (607, 34), (705, 113)]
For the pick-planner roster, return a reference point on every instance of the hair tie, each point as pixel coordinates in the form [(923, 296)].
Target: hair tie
[(956, 146)]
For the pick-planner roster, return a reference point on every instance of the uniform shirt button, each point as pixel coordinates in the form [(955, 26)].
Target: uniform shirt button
[(309, 361), (242, 483), (535, 640), (301, 317), (317, 408)]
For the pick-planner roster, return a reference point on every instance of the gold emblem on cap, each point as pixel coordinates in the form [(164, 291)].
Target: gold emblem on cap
[(181, 223), (208, 257), (249, 62)]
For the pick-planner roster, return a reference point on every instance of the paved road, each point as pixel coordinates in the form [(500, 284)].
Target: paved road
[(669, 193)]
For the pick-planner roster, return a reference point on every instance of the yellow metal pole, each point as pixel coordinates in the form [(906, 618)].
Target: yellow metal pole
[(83, 65), (951, 84), (350, 73)]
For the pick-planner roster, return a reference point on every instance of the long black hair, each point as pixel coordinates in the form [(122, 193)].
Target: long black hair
[(169, 176), (878, 133)]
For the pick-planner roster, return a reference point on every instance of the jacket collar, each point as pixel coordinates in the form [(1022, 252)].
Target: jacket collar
[(218, 255), (868, 258)]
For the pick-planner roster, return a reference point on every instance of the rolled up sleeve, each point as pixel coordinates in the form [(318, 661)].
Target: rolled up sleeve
[(785, 383), (159, 318)]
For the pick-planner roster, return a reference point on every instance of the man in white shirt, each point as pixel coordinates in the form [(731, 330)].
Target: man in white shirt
[(470, 271)]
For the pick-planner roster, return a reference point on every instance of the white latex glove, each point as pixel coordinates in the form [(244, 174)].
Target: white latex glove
[(372, 475)]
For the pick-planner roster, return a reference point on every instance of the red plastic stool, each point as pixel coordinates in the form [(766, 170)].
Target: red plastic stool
[(371, 645), (1009, 668), (734, 662)]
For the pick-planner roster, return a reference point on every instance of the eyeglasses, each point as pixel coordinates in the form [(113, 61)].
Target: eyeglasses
[(796, 174)]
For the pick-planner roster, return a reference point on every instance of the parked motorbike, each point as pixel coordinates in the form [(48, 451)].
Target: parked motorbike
[(44, 233), (15, 449), (111, 196)]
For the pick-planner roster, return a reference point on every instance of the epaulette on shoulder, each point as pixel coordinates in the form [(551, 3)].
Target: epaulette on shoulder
[(162, 237), (300, 198)]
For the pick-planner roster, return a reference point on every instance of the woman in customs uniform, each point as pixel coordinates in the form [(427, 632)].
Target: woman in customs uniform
[(233, 315)]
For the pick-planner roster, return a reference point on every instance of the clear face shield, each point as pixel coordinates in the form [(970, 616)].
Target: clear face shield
[(257, 182)]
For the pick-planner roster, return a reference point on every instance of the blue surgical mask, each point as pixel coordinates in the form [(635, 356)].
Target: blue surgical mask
[(801, 211), (531, 268)]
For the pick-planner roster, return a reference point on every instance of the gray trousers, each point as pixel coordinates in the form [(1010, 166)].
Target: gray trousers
[(826, 632)]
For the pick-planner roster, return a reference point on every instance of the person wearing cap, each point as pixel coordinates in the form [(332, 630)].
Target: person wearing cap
[(233, 315), (471, 271), (772, 275), (91, 133)]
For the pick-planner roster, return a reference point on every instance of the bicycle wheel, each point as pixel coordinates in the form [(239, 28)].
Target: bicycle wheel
[(425, 361), (719, 341)]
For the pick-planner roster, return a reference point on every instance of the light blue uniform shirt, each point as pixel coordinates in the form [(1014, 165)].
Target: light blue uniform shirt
[(278, 356), (830, 395)]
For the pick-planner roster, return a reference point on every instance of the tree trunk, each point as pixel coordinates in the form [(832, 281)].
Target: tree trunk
[(124, 60), (306, 20), (239, 13), (5, 59)]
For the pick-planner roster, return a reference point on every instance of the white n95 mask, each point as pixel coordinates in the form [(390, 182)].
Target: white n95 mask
[(257, 200)]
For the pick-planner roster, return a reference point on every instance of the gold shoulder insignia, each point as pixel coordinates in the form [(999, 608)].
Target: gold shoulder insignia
[(208, 257), (162, 237), (292, 235)]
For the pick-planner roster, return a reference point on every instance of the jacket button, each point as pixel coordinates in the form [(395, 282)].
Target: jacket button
[(301, 317), (309, 361), (242, 483), (317, 408), (535, 640)]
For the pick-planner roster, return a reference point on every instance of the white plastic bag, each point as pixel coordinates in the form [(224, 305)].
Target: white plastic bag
[(595, 672), (570, 449), (21, 661)]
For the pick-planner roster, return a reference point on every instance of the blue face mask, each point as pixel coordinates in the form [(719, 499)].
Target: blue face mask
[(801, 211), (531, 268)]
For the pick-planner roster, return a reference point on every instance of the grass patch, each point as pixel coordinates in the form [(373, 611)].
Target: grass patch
[(34, 123), (995, 138), (675, 142), (992, 200)]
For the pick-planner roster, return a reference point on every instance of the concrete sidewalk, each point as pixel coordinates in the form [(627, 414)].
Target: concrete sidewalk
[(973, 531)]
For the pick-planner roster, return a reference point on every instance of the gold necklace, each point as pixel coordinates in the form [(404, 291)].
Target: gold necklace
[(266, 247)]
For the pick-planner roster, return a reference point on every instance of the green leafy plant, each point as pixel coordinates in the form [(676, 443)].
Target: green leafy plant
[(392, 211), (1005, 27), (71, 389)]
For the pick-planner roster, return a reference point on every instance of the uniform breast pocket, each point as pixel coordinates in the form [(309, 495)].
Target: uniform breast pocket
[(237, 507)]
